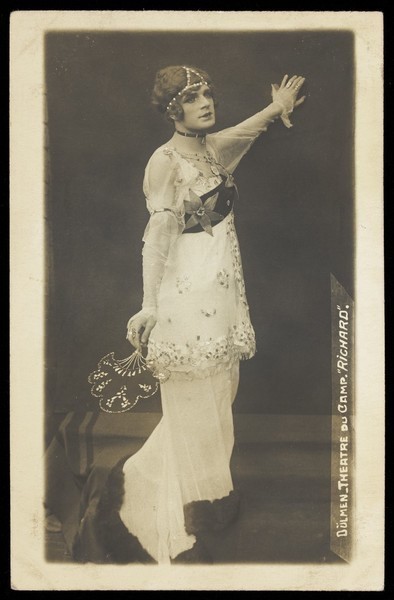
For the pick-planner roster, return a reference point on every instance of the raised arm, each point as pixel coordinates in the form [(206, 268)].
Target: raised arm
[(231, 144)]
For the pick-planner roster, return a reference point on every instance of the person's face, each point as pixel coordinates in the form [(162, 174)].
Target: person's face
[(198, 110)]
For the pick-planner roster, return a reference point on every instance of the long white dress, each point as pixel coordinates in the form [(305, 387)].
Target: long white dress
[(203, 330)]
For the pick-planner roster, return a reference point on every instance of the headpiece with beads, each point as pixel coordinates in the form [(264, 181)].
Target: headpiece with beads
[(188, 86)]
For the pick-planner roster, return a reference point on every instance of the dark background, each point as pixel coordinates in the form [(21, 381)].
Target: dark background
[(294, 219)]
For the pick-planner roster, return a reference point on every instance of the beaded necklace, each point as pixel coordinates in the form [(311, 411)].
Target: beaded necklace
[(207, 158)]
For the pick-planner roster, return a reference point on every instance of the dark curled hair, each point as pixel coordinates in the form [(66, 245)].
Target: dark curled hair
[(168, 82)]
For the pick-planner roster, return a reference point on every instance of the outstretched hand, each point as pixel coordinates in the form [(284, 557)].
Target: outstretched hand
[(286, 95)]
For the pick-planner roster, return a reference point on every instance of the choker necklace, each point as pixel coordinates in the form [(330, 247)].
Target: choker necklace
[(192, 135)]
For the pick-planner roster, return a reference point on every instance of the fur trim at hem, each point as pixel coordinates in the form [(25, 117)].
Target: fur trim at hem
[(119, 544), (212, 516)]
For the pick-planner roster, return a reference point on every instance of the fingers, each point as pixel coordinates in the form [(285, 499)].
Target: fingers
[(151, 322), (134, 326), (294, 82), (134, 342), (299, 82), (133, 337), (285, 78), (139, 329), (300, 101), (291, 81)]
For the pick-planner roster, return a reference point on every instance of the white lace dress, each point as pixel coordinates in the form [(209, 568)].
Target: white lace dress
[(203, 329)]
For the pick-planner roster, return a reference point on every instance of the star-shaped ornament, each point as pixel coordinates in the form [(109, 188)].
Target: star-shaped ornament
[(201, 213)]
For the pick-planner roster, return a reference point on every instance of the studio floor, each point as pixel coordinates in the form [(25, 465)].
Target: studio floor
[(285, 497)]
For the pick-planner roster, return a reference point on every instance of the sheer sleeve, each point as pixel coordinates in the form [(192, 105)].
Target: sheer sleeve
[(163, 231), (231, 144), (164, 226), (159, 181)]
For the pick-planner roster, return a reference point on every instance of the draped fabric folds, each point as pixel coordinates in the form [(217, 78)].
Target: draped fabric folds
[(186, 459)]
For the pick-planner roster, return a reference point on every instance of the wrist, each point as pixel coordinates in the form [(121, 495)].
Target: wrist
[(149, 308), (275, 109)]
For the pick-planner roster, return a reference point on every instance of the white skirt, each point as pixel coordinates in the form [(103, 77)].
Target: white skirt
[(186, 459)]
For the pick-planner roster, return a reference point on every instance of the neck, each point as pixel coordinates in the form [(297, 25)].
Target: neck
[(190, 134), (189, 144)]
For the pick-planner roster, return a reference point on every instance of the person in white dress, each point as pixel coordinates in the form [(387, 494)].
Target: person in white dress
[(195, 318)]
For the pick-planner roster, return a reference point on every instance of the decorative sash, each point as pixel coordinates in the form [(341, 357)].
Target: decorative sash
[(205, 211)]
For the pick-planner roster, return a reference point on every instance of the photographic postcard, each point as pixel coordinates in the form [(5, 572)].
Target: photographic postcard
[(311, 236)]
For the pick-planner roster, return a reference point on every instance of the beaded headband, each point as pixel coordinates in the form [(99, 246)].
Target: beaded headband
[(188, 85)]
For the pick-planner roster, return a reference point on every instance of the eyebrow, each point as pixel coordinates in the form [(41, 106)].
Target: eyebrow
[(188, 95)]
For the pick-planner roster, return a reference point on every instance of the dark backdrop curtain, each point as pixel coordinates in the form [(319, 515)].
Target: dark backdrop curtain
[(294, 219)]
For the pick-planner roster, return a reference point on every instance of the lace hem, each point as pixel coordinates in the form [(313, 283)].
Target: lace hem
[(201, 358)]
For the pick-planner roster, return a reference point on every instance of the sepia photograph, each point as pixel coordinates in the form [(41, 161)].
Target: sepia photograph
[(196, 215)]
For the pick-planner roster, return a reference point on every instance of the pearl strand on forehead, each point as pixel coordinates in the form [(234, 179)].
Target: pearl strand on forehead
[(188, 86)]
